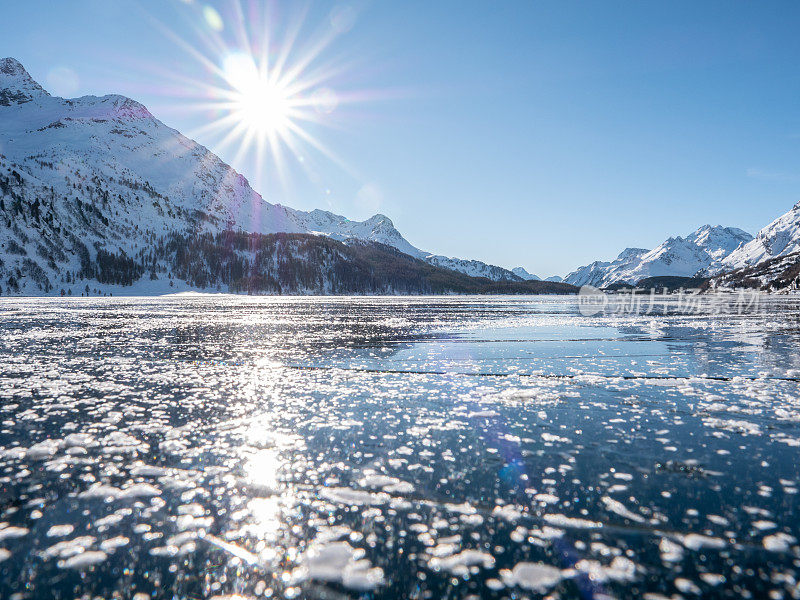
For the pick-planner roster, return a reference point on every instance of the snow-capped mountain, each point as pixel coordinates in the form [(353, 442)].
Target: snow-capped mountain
[(523, 274), (81, 174), (473, 268), (116, 139), (378, 228), (701, 252), (17, 86), (779, 238), (770, 261), (601, 273), (719, 242)]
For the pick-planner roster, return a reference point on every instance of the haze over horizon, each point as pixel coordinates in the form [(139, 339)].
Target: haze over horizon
[(518, 136)]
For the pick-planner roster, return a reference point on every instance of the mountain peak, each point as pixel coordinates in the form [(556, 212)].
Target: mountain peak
[(716, 237), (126, 108), (779, 238), (380, 219), (631, 253), (16, 85), (523, 274), (11, 66)]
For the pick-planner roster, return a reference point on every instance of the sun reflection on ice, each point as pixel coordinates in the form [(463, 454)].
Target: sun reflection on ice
[(269, 500)]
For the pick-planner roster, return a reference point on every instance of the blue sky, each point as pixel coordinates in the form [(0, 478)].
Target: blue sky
[(542, 134)]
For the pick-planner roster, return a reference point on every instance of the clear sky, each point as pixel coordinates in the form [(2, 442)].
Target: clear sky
[(541, 134)]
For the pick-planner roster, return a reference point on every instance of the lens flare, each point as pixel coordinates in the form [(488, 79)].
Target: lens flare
[(257, 101), (271, 84)]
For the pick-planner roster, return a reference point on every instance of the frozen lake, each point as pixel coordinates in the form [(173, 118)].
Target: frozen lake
[(201, 446)]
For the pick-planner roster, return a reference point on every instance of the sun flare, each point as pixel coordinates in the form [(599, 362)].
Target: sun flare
[(267, 92), (258, 101)]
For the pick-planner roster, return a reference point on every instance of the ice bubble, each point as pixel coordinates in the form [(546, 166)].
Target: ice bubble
[(458, 564), (60, 530), (695, 541), (618, 508), (339, 562), (83, 560), (537, 577), (565, 521), (12, 532), (112, 544), (778, 542), (43, 449)]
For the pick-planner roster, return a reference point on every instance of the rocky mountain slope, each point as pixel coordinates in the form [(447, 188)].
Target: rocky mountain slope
[(779, 238), (770, 261), (778, 273), (97, 181), (701, 252)]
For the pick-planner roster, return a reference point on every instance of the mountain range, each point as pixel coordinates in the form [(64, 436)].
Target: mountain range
[(90, 187), (523, 274), (701, 252), (96, 193), (725, 256), (770, 261), (779, 238)]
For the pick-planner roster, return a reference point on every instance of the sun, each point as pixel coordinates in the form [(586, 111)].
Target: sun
[(269, 87), (258, 101)]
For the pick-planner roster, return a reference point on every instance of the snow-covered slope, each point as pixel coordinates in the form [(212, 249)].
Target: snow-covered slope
[(779, 238), (523, 274), (108, 155), (601, 273), (698, 253), (473, 268), (701, 252), (378, 228), (554, 279), (719, 242), (778, 273)]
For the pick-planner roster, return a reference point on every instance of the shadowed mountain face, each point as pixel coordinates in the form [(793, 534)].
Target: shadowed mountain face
[(89, 178)]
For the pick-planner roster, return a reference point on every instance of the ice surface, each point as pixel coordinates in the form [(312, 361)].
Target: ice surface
[(409, 447)]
